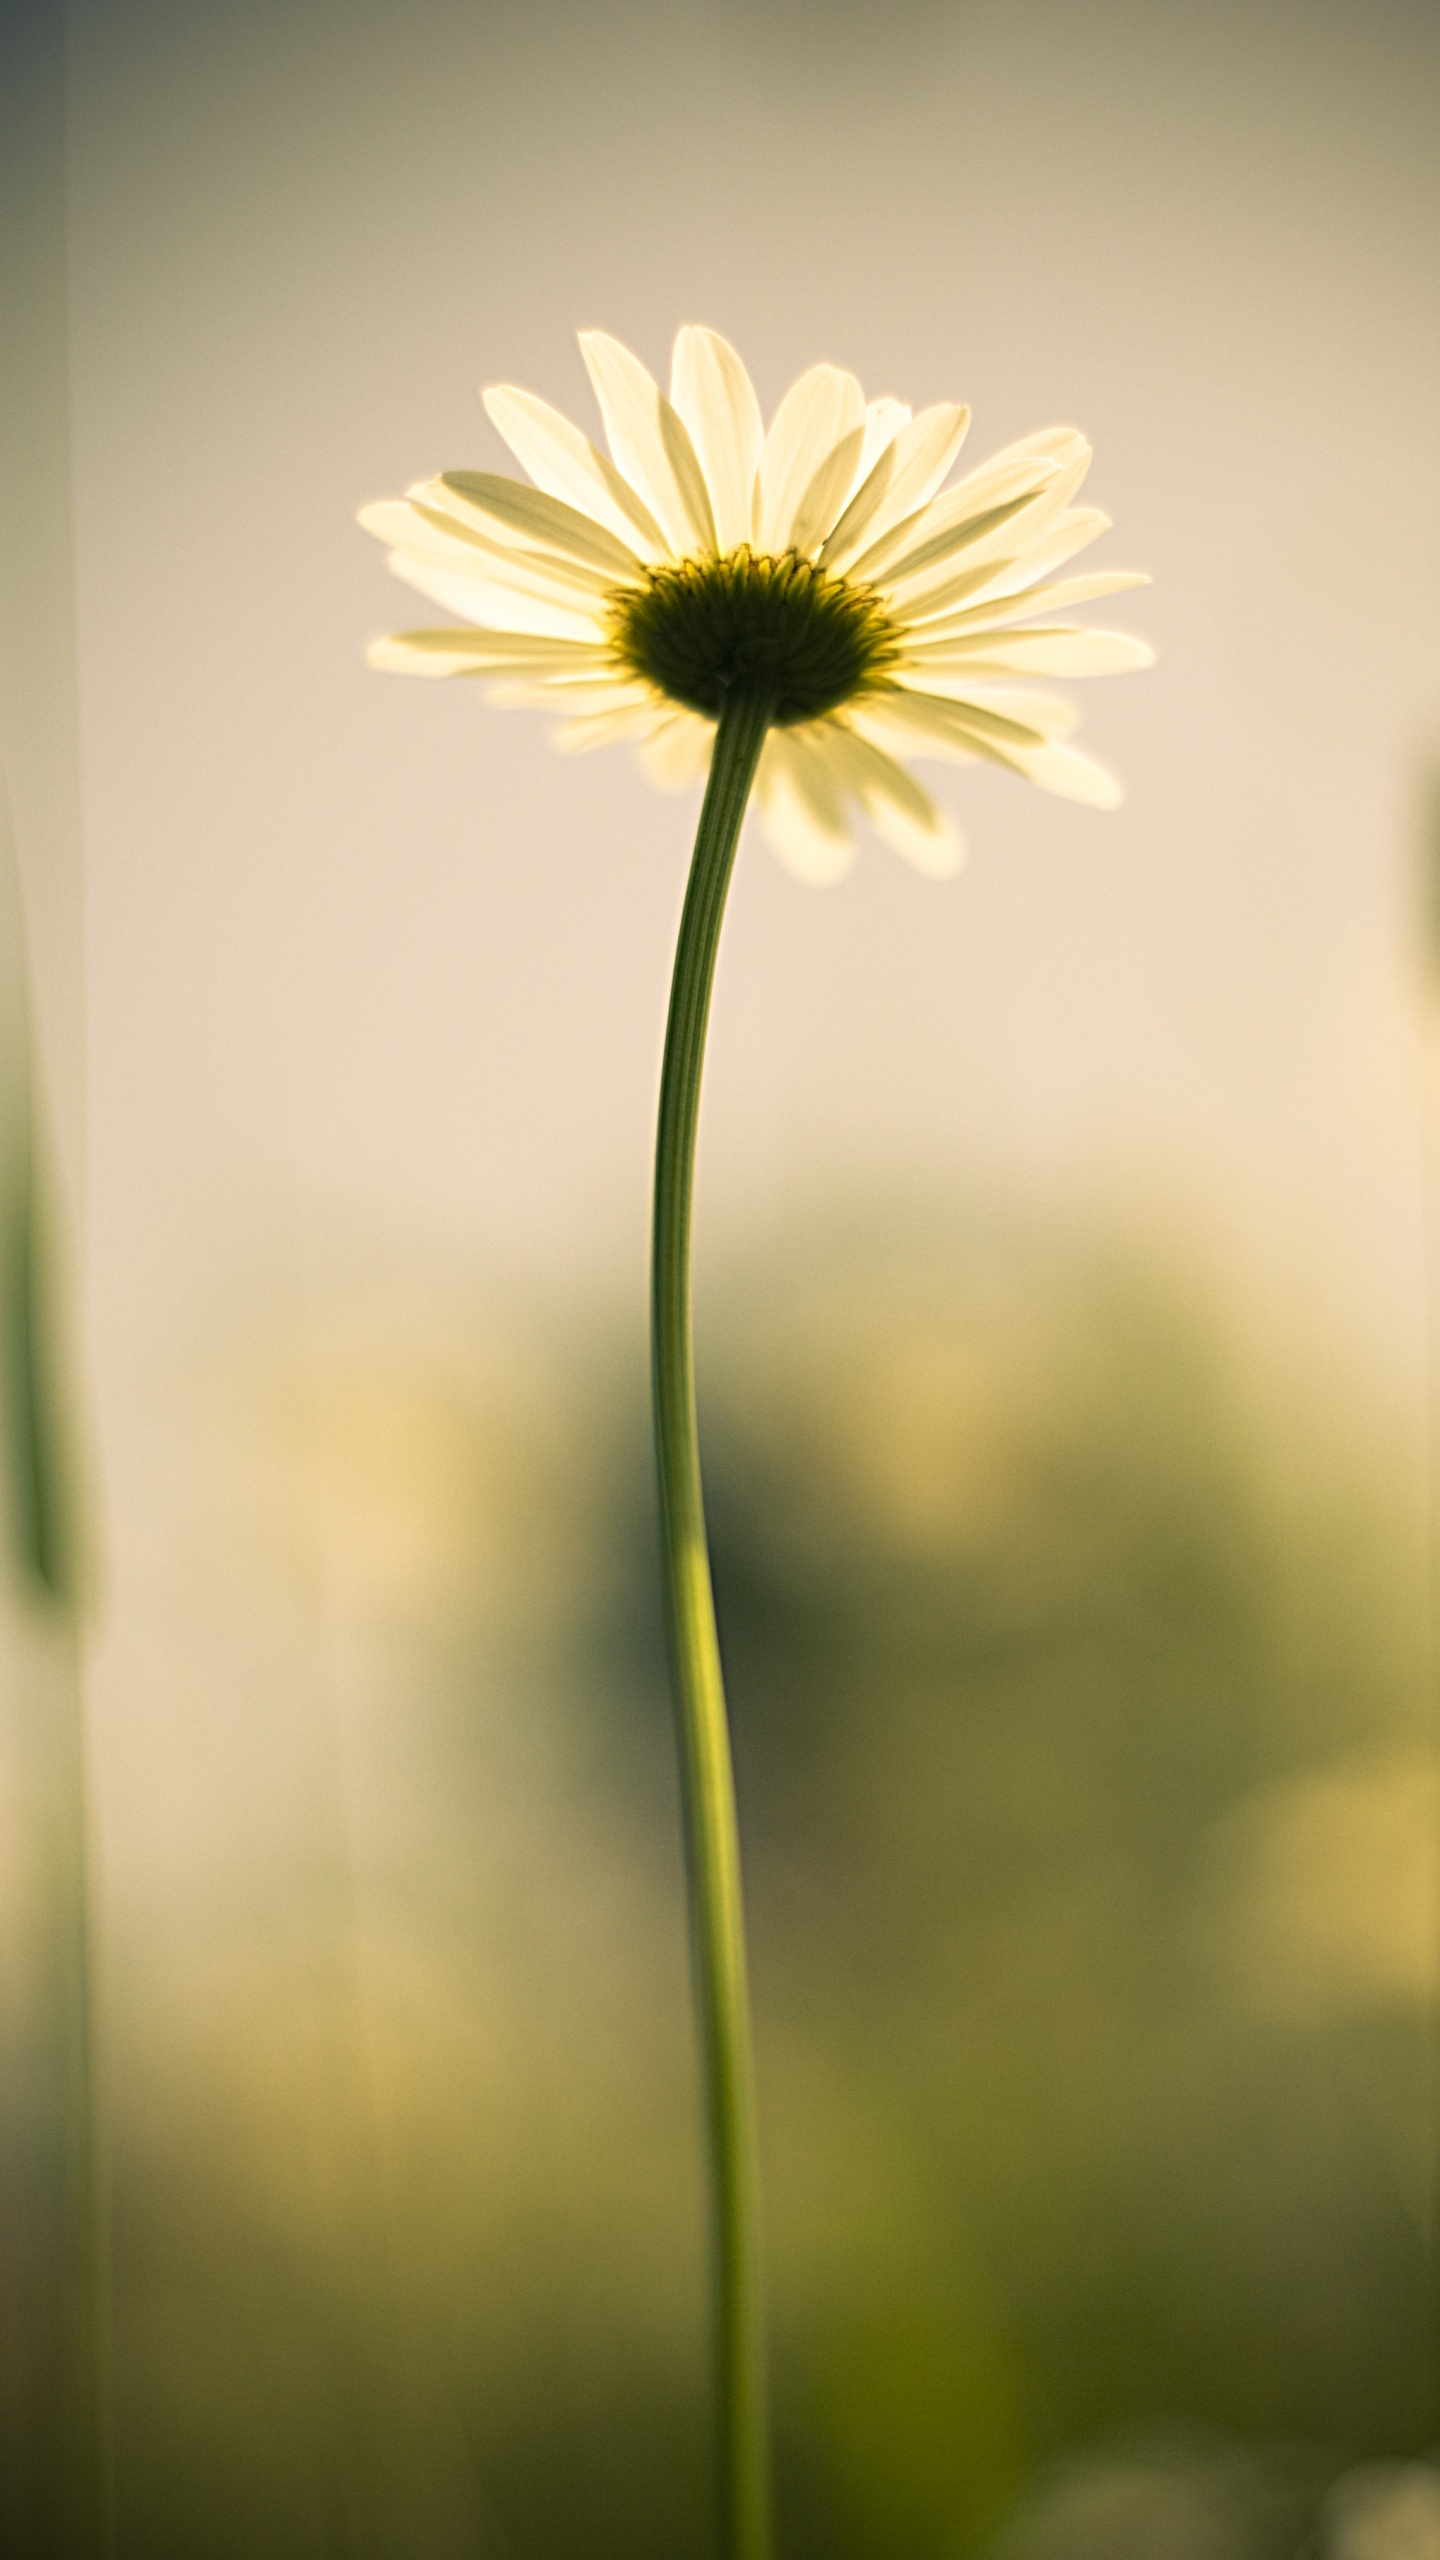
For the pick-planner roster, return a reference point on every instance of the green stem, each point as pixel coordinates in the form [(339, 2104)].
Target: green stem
[(707, 1778)]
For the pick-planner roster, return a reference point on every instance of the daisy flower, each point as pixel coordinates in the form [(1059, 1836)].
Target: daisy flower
[(799, 612), (822, 568)]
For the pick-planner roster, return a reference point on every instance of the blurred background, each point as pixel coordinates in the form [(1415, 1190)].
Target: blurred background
[(1067, 1323)]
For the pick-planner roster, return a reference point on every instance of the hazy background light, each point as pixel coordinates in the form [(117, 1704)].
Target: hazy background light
[(356, 938)]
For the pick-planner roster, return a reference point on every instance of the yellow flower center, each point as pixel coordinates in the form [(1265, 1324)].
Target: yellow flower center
[(778, 630)]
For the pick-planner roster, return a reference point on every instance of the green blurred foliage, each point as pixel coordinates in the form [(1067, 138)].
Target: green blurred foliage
[(1033, 1605), (36, 1505), (1079, 1678), (1020, 1611)]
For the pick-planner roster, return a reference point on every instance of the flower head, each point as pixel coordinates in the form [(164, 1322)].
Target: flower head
[(821, 568)]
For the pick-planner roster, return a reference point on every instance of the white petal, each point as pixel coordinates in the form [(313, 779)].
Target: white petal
[(496, 604), (932, 605), (509, 506), (609, 728), (987, 732), (1043, 542), (803, 820), (678, 753), (458, 652), (1066, 447), (1035, 464), (650, 443), (564, 462), (976, 727), (904, 477), (427, 533), (577, 695), (883, 422), (404, 524), (424, 653), (897, 806), (1074, 528), (1072, 775), (820, 409), (398, 523), (714, 395), (1050, 715), (936, 851), (1038, 527), (889, 722), (1061, 651), (831, 770), (1017, 604), (1058, 594), (918, 552), (826, 495)]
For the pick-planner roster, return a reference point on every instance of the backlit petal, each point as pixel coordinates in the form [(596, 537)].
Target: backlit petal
[(983, 731), (817, 412), (958, 520), (495, 604), (883, 422), (564, 462), (591, 692), (973, 725), (609, 728), (714, 395), (425, 533), (802, 813), (458, 652), (1018, 604), (1073, 775), (651, 443), (1062, 651), (678, 753), (897, 806), (826, 494), (904, 477), (533, 516)]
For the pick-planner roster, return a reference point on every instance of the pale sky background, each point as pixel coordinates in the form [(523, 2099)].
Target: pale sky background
[(365, 953)]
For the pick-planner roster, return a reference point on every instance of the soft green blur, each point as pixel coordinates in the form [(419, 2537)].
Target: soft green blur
[(1081, 1711)]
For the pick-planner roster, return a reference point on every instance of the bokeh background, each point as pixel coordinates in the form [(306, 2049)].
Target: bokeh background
[(1067, 1319)]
